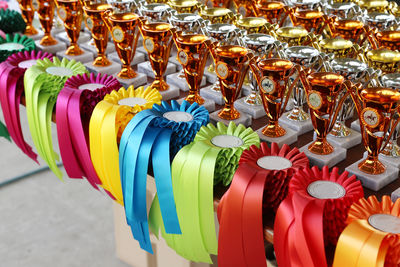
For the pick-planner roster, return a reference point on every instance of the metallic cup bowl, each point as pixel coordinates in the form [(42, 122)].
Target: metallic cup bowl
[(384, 59), (293, 36)]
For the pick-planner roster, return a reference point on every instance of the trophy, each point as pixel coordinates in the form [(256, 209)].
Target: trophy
[(339, 47), (216, 14), (244, 7), (46, 14), (155, 11), (157, 40), (192, 54), (344, 11), (251, 24), (28, 12), (184, 6), (347, 29), (305, 4), (381, 21), (219, 3), (123, 30), (124, 6), (387, 38), (374, 5), (70, 12), (384, 59), (293, 36), (311, 20), (274, 11)]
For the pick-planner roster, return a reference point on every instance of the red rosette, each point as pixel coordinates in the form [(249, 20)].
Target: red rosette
[(73, 111), (12, 73), (313, 215), (241, 238)]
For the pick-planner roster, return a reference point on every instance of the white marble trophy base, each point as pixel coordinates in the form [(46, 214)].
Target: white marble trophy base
[(300, 127), (110, 70), (174, 61), (172, 92), (85, 57), (211, 77), (215, 96), (355, 125), (181, 82), (246, 90), (143, 51), (83, 37), (138, 58), (37, 36), (57, 29), (52, 49), (145, 67), (140, 79), (349, 141), (329, 160), (208, 104), (289, 138), (91, 48), (243, 119), (393, 161), (395, 194), (374, 182), (255, 111)]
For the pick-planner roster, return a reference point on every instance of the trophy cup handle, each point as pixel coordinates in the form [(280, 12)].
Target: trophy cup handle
[(314, 40), (370, 35), (297, 69), (392, 127), (338, 107), (253, 66), (286, 14), (303, 72), (292, 17), (211, 47), (105, 19)]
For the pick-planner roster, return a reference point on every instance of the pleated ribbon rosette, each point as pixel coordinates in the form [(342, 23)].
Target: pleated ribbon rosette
[(211, 158), (14, 43), (3, 132), (12, 73), (108, 121), (74, 107), (262, 177), (372, 236), (11, 21), (313, 215), (42, 83), (152, 138)]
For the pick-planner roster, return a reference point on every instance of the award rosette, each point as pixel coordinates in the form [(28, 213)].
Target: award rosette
[(43, 82), (11, 21), (108, 121), (372, 236), (13, 44), (261, 179), (153, 137), (12, 73), (4, 132), (313, 215), (74, 107), (211, 158)]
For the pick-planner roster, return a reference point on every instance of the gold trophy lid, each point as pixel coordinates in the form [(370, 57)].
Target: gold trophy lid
[(97, 7), (215, 12), (383, 55), (157, 26), (270, 5), (380, 95), (231, 51), (121, 17), (251, 22), (308, 14), (192, 38), (336, 43), (325, 78), (391, 36), (373, 3), (292, 32), (182, 3), (348, 24), (275, 64)]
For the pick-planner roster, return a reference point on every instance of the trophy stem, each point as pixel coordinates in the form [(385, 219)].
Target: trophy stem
[(392, 149), (30, 30), (46, 15), (27, 14), (194, 96), (372, 165), (101, 61), (159, 84), (229, 112), (273, 129), (340, 130), (298, 114), (321, 147), (127, 72), (74, 50)]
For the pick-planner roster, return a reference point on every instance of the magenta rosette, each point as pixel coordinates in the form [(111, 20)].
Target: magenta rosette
[(75, 104)]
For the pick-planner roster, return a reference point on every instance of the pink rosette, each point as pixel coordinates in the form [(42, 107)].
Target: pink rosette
[(73, 111), (12, 73), (3, 5)]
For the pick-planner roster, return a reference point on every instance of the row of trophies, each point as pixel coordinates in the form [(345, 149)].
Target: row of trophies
[(336, 57)]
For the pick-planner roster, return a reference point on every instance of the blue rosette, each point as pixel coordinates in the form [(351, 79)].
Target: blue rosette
[(152, 138)]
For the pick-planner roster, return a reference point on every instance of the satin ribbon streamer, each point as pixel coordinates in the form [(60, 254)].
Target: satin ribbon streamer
[(195, 169), (12, 73), (12, 44), (155, 136), (73, 111), (304, 225), (11, 21), (107, 123), (361, 244), (43, 82), (240, 212)]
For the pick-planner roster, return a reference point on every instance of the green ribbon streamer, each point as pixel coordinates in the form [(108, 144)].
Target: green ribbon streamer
[(195, 170), (11, 21), (28, 44), (41, 91), (4, 132)]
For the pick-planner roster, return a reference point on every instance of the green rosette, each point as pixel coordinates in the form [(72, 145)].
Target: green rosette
[(15, 43), (43, 82), (4, 132), (11, 21), (211, 158)]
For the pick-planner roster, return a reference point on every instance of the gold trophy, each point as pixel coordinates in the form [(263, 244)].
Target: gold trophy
[(274, 11), (70, 12), (231, 66), (293, 36), (28, 12), (374, 5), (125, 35), (216, 14), (192, 54), (184, 6), (46, 14), (96, 25), (386, 60), (339, 47), (311, 20), (251, 24), (157, 40)]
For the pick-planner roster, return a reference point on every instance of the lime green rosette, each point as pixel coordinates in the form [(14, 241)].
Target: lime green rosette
[(3, 132), (43, 82), (14, 44), (211, 158), (11, 21)]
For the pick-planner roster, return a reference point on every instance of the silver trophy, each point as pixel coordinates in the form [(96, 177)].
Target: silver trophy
[(381, 21), (155, 12), (346, 10), (125, 6), (305, 4)]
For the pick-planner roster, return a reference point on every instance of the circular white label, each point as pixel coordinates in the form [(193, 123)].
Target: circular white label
[(183, 57), (35, 4), (178, 116), (11, 46), (385, 222), (132, 101), (274, 163), (89, 23), (326, 190), (315, 100), (222, 70), (148, 43), (227, 141), (267, 85), (27, 63), (90, 86), (59, 71), (62, 13), (370, 117), (118, 34)]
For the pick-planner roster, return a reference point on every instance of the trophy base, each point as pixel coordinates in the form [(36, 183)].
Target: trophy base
[(174, 61), (355, 125), (330, 160), (246, 90), (374, 182), (83, 37), (243, 119), (143, 51), (255, 111), (138, 58), (37, 36), (145, 67), (300, 127), (395, 194), (57, 29), (52, 49), (208, 104), (172, 92), (91, 48), (289, 138), (353, 139), (84, 58), (211, 77), (392, 161), (140, 79), (110, 69), (215, 96), (181, 83)]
